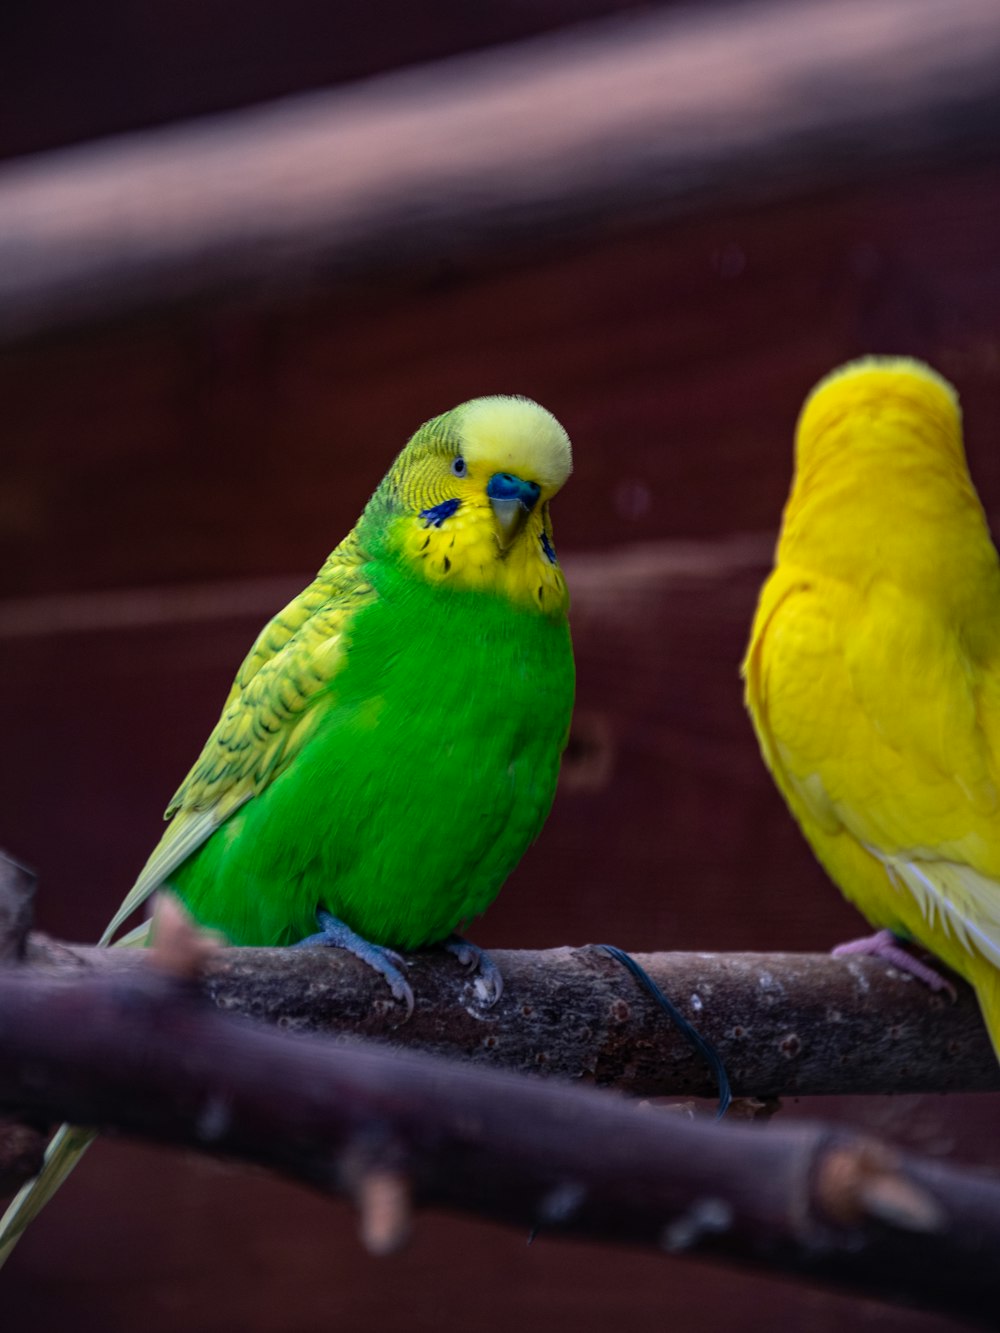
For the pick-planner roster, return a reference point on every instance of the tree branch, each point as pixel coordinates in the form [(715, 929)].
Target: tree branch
[(17, 901), (140, 1052), (784, 1024)]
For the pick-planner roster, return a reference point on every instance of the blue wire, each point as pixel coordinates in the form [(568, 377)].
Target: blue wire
[(690, 1034)]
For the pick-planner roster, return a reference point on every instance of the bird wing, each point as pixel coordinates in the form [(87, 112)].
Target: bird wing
[(266, 719), (877, 722)]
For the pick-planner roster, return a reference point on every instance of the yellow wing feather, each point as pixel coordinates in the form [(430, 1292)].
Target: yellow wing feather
[(891, 727), (263, 725), (878, 748), (266, 718)]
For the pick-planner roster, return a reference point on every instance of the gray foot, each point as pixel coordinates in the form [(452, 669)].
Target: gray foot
[(884, 944), (489, 981), (387, 963)]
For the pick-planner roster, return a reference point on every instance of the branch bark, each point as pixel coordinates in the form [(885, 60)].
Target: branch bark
[(784, 1024), (144, 1054), (556, 139), (17, 901)]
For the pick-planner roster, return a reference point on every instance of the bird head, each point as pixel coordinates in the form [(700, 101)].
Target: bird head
[(504, 454), (468, 498), (879, 406), (881, 487)]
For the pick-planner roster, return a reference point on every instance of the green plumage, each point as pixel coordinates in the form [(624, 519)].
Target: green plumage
[(391, 744), (431, 767)]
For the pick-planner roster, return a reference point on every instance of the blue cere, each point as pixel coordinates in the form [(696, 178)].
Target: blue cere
[(505, 486), (435, 516), (548, 548)]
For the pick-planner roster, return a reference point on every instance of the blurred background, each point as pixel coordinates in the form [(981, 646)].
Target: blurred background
[(220, 316)]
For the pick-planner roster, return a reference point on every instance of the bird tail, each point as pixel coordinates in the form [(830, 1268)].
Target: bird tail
[(65, 1149)]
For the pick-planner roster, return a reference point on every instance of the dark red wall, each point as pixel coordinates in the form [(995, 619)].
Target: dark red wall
[(70, 72), (229, 446)]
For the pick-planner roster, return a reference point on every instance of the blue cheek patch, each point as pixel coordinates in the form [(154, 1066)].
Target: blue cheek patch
[(433, 518), (548, 548)]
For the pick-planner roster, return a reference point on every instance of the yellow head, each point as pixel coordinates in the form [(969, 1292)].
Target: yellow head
[(881, 484), (880, 403), (468, 499)]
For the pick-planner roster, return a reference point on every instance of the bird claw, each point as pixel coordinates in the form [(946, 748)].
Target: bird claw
[(884, 944), (398, 985), (489, 979), (336, 934)]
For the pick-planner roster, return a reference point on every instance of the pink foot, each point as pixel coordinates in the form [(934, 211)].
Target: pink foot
[(885, 945)]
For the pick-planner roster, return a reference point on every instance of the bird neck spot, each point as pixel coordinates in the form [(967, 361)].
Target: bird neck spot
[(464, 553), (437, 514), (548, 548)]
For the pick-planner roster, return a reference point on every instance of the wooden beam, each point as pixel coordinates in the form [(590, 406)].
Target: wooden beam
[(618, 124)]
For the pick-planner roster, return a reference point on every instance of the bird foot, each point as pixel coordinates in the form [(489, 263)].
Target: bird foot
[(336, 934), (885, 945), (489, 980)]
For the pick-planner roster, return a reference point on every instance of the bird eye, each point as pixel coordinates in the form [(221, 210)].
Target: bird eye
[(458, 466)]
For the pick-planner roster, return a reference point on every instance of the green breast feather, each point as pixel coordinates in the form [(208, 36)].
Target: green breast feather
[(430, 765)]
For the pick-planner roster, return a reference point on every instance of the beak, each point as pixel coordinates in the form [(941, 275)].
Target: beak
[(512, 500), (510, 516)]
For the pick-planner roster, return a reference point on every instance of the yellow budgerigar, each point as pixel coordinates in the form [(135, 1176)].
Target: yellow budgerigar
[(873, 671)]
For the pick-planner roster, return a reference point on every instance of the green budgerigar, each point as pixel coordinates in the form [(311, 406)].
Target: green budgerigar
[(391, 743)]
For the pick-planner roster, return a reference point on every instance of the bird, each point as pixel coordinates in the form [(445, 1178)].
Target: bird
[(872, 674), (391, 743)]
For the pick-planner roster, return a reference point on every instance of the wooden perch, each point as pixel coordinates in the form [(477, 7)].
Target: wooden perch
[(616, 124), (147, 1056), (783, 1023)]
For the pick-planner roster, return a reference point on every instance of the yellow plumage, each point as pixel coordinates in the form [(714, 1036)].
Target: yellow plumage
[(873, 670)]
